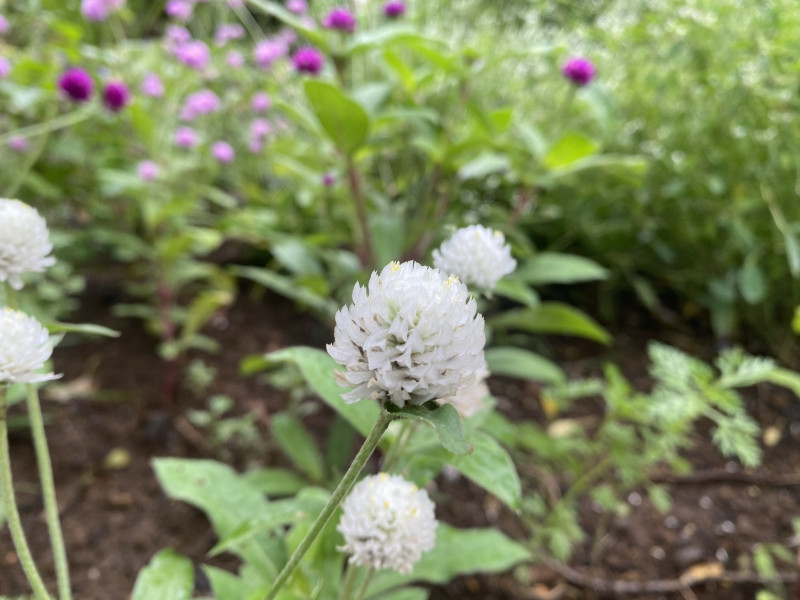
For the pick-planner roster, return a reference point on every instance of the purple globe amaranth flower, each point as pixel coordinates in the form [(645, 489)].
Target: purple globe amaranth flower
[(267, 52), (341, 19), (234, 59), (152, 86), (186, 137), (223, 152), (194, 54), (175, 35), (394, 9), (328, 179), (298, 7), (579, 70), (5, 67), (4, 27), (18, 143), (147, 170), (179, 9), (77, 84), (116, 96), (198, 104), (260, 102), (308, 59), (227, 32)]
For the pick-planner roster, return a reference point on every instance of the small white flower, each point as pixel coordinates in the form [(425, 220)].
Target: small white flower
[(24, 348), (387, 523), (470, 399), (476, 255), (24, 242), (412, 335)]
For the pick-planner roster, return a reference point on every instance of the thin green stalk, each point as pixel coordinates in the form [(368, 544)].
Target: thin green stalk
[(49, 493), (46, 127), (407, 429), (336, 498), (350, 576), (367, 250), (365, 584), (12, 514)]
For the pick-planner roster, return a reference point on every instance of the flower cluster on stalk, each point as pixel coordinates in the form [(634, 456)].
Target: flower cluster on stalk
[(476, 255)]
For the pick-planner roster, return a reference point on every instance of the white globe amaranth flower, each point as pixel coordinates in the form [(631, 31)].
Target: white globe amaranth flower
[(387, 523), (476, 255), (24, 348), (471, 398), (412, 335), (24, 242)]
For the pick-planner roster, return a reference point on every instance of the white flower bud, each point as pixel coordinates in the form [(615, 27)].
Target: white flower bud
[(24, 348), (387, 523), (476, 255), (412, 335), (24, 242)]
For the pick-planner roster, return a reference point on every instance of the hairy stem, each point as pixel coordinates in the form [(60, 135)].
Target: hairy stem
[(367, 252)]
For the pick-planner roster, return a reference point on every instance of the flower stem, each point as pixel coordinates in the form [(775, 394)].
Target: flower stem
[(348, 479), (367, 250), (350, 576), (49, 493), (365, 583), (10, 505)]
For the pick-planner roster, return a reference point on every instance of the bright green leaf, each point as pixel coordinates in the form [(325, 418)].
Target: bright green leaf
[(569, 149), (444, 420), (297, 444), (552, 267), (552, 317), (523, 364), (84, 328), (343, 119), (751, 281), (484, 164), (168, 575)]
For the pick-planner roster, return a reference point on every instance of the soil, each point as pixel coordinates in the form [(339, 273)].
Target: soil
[(114, 421)]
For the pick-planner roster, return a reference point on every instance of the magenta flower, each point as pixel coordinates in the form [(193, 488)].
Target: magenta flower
[(579, 70), (260, 102), (308, 59), (223, 152), (116, 96), (298, 7), (147, 170), (99, 10), (227, 32), (152, 86), (267, 52), (179, 9), (76, 84), (186, 137), (234, 59), (18, 143), (3, 25), (5, 67), (341, 19), (176, 35), (394, 9), (198, 104), (328, 179), (194, 54), (260, 128)]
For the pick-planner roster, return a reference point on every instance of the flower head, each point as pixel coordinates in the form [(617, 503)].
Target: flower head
[(179, 9), (99, 10), (186, 137), (412, 335), (260, 102), (24, 348), (200, 103), (147, 170), (579, 70), (5, 67), (227, 32), (234, 59), (267, 52), (476, 255), (77, 84), (394, 9), (194, 54), (18, 143), (116, 95), (308, 59), (298, 7), (223, 152), (341, 19), (24, 242), (387, 523), (152, 86), (328, 179)]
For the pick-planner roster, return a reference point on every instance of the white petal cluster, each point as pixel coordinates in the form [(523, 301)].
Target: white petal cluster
[(412, 335), (24, 348), (387, 523), (24, 241), (470, 399), (476, 255)]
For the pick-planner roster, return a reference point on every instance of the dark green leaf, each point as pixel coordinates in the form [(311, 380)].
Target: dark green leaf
[(342, 118), (523, 364), (552, 317), (552, 267), (297, 444), (444, 420)]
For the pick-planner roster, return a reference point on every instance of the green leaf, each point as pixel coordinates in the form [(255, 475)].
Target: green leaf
[(457, 552), (226, 586), (484, 164), (796, 321), (388, 234), (274, 482), (298, 445), (444, 420), (287, 287), (342, 118), (552, 317), (279, 12), (317, 368), (84, 328), (786, 378), (514, 289), (523, 364), (552, 267), (751, 281), (168, 575), (570, 148)]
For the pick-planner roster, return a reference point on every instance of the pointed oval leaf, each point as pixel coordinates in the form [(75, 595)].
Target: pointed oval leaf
[(523, 364), (570, 148), (552, 317), (445, 421), (553, 267), (342, 118), (298, 445), (168, 575)]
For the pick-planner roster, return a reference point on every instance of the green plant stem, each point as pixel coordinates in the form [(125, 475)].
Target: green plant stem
[(407, 429), (10, 505), (365, 584), (46, 127), (367, 254), (49, 493), (350, 576), (348, 479)]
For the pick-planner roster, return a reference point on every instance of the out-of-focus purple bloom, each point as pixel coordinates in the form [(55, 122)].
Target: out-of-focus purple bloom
[(194, 54), (579, 70), (236, 3), (116, 95), (234, 59), (179, 9), (18, 144), (287, 36), (4, 27), (99, 10), (186, 137), (267, 52), (260, 128), (223, 152), (308, 59), (328, 179), (227, 32), (176, 35), (147, 170), (200, 103), (298, 7), (394, 9), (255, 145), (76, 84), (341, 19), (260, 102), (152, 86), (5, 67)]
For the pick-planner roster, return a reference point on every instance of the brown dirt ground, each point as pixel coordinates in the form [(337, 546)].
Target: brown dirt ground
[(115, 519)]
